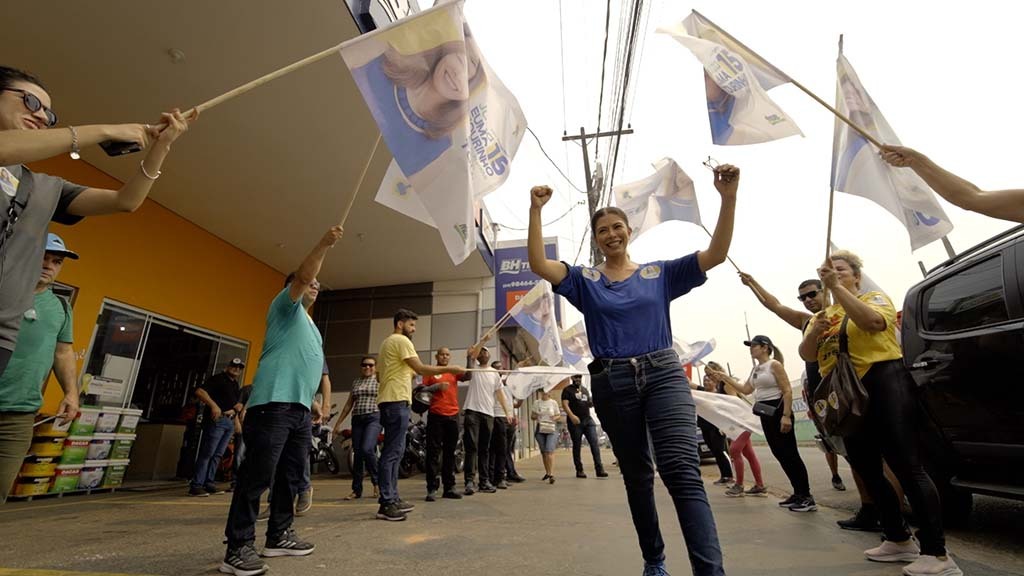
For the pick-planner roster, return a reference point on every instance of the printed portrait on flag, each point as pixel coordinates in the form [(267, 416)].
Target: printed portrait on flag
[(422, 94)]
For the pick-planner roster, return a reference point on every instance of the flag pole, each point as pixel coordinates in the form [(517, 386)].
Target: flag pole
[(727, 257), (803, 88), (832, 186), (359, 183)]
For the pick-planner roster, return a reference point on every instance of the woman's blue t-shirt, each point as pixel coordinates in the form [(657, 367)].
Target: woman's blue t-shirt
[(631, 317)]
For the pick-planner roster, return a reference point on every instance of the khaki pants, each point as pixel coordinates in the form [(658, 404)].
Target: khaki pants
[(15, 440)]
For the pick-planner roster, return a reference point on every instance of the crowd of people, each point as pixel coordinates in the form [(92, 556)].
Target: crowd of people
[(639, 389)]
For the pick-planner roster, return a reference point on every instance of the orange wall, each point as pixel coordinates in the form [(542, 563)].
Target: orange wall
[(160, 262)]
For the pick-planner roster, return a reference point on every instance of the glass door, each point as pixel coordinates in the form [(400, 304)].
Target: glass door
[(115, 352)]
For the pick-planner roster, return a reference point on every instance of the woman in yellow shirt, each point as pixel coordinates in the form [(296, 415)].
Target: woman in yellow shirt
[(890, 427)]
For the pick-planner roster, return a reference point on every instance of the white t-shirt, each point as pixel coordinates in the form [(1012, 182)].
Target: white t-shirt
[(546, 410), (480, 396)]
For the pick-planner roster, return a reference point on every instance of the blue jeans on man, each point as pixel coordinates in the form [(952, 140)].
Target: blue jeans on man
[(643, 402), (394, 417), (365, 430), (216, 435)]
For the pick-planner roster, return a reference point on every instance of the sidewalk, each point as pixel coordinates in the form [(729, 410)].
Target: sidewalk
[(574, 527)]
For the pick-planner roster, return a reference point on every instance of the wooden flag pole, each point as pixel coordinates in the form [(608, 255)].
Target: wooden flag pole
[(727, 257), (774, 68), (359, 183)]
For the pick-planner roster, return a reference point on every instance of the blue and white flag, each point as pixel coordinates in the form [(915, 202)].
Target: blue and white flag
[(730, 414), (736, 82), (451, 125), (857, 169), (692, 353), (668, 194), (535, 313), (525, 381), (576, 347)]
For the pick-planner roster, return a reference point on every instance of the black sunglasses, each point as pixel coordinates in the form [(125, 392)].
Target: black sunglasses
[(806, 295), (367, 365), (33, 104)]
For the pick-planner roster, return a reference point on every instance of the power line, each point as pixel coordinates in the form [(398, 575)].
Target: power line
[(561, 45), (630, 49), (543, 224), (604, 59), (567, 179)]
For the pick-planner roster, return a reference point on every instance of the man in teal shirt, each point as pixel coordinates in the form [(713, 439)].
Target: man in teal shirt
[(44, 343), (277, 430)]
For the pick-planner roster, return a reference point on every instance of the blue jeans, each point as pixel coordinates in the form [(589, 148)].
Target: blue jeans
[(586, 428), (365, 430), (394, 417), (277, 438), (645, 401), (216, 435)]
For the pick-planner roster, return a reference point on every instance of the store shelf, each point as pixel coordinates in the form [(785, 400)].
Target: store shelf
[(62, 494)]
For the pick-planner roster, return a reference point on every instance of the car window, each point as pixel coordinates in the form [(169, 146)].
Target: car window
[(970, 298)]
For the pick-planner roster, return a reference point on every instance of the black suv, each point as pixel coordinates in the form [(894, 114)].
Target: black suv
[(963, 341)]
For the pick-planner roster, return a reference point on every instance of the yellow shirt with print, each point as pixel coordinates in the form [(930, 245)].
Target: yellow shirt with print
[(866, 348), (395, 375)]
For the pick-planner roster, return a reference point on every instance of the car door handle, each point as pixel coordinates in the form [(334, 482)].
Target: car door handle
[(925, 362)]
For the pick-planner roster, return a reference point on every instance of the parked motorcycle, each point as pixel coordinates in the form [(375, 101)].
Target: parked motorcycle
[(415, 455), (321, 451)]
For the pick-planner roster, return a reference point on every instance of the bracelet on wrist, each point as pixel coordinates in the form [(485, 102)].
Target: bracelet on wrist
[(75, 152), (142, 167)]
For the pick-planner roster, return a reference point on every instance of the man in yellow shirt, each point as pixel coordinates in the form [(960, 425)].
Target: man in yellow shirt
[(397, 365)]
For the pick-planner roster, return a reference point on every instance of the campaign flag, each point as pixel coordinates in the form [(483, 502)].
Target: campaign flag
[(730, 414), (857, 169), (576, 347), (692, 353), (736, 82), (535, 313), (396, 193), (525, 381), (668, 194), (451, 125)]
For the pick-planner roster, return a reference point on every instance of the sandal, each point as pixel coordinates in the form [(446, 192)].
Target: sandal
[(353, 496), (376, 492)]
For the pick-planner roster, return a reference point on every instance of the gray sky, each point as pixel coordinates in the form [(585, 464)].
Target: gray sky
[(945, 75)]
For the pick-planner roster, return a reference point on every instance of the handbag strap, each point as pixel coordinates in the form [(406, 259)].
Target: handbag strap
[(844, 340)]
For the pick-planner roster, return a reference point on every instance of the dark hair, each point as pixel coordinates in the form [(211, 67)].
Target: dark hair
[(404, 314), (288, 280), (604, 212), (365, 358), (812, 282), (8, 76)]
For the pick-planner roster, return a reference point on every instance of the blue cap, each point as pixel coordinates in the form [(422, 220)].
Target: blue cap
[(55, 245)]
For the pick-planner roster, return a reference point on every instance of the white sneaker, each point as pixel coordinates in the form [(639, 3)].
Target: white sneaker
[(894, 552), (932, 566)]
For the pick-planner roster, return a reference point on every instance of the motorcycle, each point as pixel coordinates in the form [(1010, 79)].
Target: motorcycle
[(415, 456), (321, 451)]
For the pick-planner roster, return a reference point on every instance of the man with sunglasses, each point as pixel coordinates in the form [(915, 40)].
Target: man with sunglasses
[(31, 200), (811, 294)]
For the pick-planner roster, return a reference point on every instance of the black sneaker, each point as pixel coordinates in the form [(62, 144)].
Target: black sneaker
[(431, 496), (404, 506), (197, 491), (789, 501), (488, 488), (837, 484), (601, 473), (724, 481), (501, 485), (212, 489), (390, 512), (804, 504), (451, 495), (287, 544), (581, 474), (865, 520), (243, 561), (516, 478), (470, 489)]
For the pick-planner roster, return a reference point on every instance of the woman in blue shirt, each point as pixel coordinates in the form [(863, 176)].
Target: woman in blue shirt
[(638, 383)]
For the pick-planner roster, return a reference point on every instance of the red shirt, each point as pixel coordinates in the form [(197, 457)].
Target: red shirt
[(444, 402)]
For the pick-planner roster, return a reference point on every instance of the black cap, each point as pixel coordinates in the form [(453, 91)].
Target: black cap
[(236, 363), (759, 339)]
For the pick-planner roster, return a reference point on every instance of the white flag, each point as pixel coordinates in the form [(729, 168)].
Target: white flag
[(396, 193), (576, 347), (732, 415), (736, 82), (535, 313), (451, 125), (858, 170), (526, 381), (866, 283), (668, 194), (692, 353)]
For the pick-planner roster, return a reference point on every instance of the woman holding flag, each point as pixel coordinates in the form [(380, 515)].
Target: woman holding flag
[(640, 390)]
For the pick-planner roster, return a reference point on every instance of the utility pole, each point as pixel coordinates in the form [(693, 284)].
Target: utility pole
[(595, 182)]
